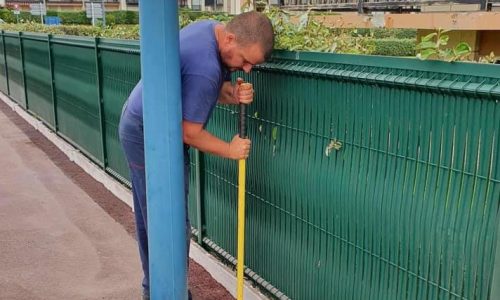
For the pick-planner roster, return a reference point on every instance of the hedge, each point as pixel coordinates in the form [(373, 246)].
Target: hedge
[(73, 17), (391, 46)]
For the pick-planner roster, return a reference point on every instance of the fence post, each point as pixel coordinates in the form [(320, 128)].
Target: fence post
[(200, 199), (360, 6), (5, 62), (52, 81), (483, 5), (23, 70), (101, 103)]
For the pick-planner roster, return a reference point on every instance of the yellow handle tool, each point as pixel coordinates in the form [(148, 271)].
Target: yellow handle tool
[(241, 205)]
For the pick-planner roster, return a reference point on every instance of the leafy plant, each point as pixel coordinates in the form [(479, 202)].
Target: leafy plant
[(116, 32), (295, 32), (333, 145), (310, 35), (490, 58), (246, 5), (434, 45)]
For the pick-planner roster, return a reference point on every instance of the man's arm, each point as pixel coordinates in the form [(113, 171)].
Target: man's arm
[(194, 135), (228, 94)]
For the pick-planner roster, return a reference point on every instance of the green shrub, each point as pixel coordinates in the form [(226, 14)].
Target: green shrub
[(74, 17), (306, 36), (384, 33), (122, 17), (405, 33), (7, 15), (67, 17), (92, 31), (126, 32), (203, 15), (25, 16), (110, 19), (115, 32), (391, 46)]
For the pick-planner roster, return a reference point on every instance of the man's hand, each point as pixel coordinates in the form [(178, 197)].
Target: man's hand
[(239, 148), (243, 92)]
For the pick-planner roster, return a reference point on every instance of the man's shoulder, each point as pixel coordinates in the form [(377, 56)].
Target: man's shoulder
[(199, 25), (200, 29), (199, 51)]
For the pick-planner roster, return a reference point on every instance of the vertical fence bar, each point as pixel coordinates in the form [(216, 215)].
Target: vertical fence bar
[(52, 81), (23, 70), (102, 124), (5, 62), (200, 199)]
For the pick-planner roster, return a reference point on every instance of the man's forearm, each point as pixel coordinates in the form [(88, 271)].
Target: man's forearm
[(226, 95), (206, 142)]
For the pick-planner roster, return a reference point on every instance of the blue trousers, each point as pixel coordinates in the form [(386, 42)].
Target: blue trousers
[(132, 139)]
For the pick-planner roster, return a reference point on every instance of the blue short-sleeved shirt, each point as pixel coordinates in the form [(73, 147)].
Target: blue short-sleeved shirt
[(202, 74)]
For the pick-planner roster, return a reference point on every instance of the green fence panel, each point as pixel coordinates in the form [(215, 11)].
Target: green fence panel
[(38, 76), (77, 102), (14, 67), (120, 72), (369, 178), (3, 67)]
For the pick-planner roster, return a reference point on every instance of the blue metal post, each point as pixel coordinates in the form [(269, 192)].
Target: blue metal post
[(160, 70)]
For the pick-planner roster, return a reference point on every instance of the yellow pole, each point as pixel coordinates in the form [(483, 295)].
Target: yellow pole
[(241, 201), (241, 227)]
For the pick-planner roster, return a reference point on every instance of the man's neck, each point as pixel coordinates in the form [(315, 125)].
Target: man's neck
[(220, 33)]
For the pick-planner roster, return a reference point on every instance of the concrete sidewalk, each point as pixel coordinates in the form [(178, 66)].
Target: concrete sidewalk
[(56, 242)]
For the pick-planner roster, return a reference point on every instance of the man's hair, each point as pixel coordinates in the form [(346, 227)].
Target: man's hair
[(251, 28)]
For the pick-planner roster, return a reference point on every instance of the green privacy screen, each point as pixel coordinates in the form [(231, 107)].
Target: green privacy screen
[(76, 94), (120, 72), (369, 177), (12, 51), (3, 72), (38, 76)]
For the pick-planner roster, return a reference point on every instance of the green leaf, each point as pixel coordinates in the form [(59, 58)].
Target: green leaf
[(425, 45), (443, 40), (424, 54), (428, 37), (462, 49), (274, 134)]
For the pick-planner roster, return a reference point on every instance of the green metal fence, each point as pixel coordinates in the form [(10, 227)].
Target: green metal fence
[(14, 66), (37, 70), (369, 178)]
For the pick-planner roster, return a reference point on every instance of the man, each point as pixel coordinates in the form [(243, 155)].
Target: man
[(209, 51)]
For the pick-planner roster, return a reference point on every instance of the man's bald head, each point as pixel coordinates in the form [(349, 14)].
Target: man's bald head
[(253, 28)]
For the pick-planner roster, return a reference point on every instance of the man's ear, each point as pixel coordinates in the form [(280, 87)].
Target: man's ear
[(230, 38)]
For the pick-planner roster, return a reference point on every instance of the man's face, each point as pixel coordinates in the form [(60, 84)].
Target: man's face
[(236, 57)]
